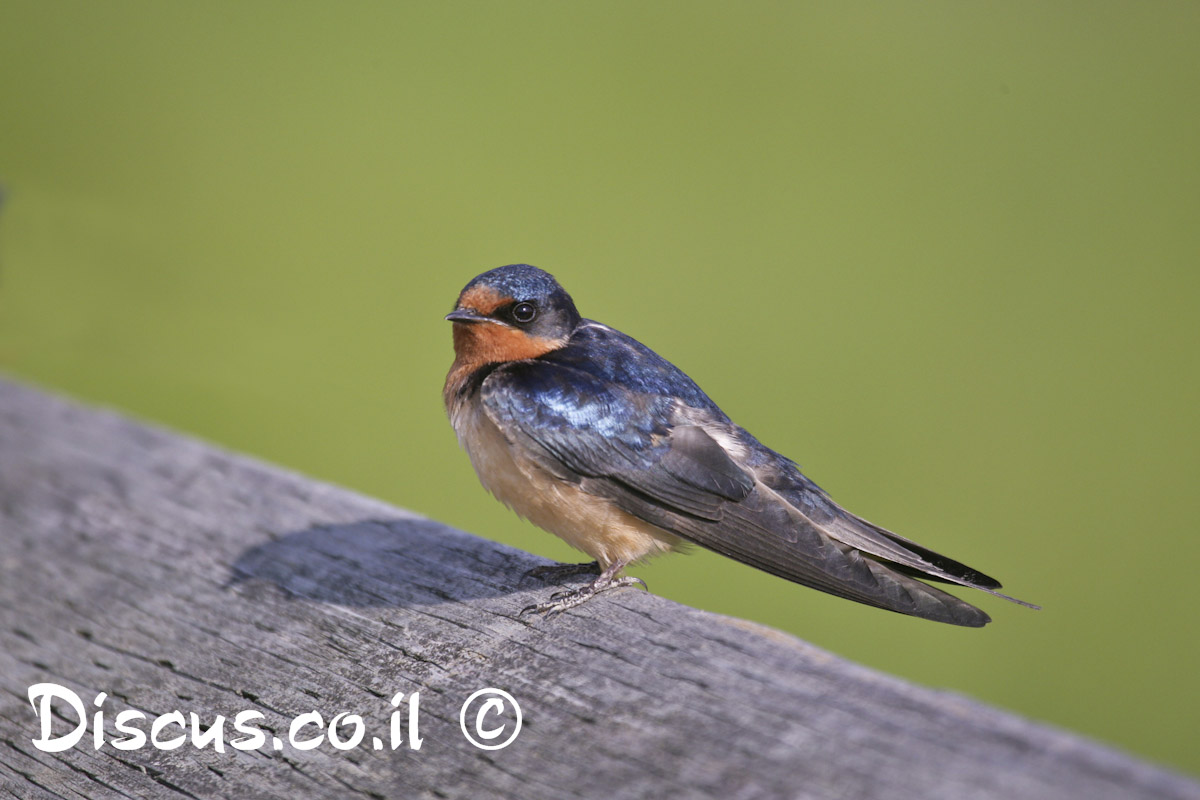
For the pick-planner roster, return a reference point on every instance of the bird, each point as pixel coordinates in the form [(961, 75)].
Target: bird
[(591, 435)]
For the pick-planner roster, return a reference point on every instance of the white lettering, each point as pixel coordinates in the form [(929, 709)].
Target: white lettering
[(175, 717), (254, 738), (45, 692), (135, 738), (311, 718)]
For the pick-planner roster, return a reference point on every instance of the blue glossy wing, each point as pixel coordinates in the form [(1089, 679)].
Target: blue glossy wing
[(579, 425)]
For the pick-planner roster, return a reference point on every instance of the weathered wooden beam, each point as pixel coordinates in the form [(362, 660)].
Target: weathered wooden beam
[(174, 576)]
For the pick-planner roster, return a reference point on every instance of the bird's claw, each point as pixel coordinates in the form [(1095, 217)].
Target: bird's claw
[(630, 580), (567, 599)]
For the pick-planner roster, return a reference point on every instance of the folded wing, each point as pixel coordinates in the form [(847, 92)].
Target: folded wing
[(662, 464)]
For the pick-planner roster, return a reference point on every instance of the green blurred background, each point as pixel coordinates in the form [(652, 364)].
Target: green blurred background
[(944, 255)]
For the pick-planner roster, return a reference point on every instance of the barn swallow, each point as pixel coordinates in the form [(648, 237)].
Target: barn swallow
[(593, 436)]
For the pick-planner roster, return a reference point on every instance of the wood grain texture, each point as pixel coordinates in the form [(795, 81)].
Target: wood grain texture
[(176, 576)]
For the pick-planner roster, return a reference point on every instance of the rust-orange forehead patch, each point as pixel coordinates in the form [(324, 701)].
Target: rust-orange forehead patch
[(483, 299)]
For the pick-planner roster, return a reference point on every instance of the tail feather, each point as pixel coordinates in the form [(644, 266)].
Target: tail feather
[(902, 555)]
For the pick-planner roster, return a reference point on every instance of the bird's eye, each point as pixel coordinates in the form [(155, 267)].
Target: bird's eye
[(524, 312)]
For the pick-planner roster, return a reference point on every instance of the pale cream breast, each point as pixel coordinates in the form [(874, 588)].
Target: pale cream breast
[(586, 522)]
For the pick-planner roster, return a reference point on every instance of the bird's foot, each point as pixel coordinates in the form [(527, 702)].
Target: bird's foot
[(556, 572), (561, 601)]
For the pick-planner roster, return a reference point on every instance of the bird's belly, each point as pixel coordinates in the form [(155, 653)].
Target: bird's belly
[(586, 522)]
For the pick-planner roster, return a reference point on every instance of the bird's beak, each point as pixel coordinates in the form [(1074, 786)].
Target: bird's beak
[(465, 315)]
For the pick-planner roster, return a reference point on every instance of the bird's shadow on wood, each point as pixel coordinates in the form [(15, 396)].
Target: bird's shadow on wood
[(394, 562)]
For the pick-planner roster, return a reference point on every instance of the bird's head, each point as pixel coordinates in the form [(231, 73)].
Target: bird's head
[(511, 313)]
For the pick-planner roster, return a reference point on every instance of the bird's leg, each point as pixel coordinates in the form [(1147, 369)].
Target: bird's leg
[(561, 601), (556, 572)]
